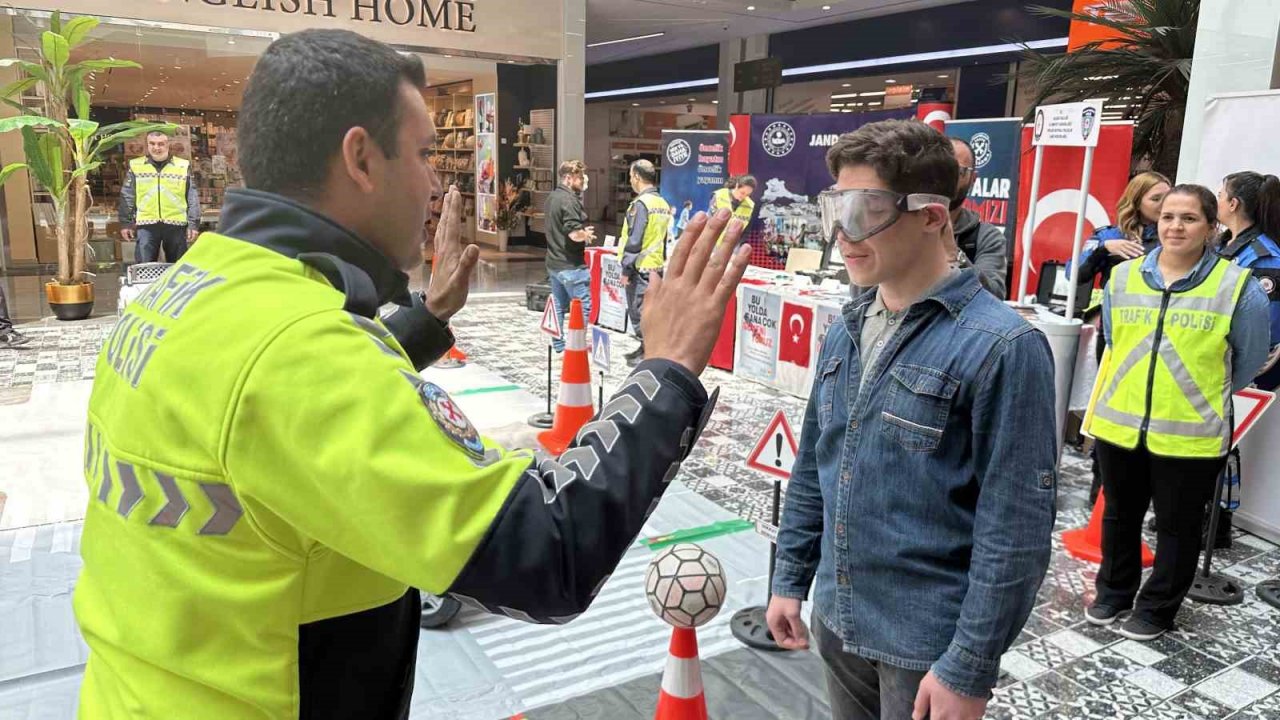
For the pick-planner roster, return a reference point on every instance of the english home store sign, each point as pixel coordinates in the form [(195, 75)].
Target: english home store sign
[(528, 29), (456, 15)]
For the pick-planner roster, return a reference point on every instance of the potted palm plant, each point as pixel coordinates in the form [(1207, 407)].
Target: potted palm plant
[(1147, 63), (61, 150)]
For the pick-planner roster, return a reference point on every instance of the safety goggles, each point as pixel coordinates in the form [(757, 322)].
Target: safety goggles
[(860, 214)]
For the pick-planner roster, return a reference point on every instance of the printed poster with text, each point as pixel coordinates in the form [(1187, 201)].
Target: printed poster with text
[(759, 312), (613, 295), (694, 167)]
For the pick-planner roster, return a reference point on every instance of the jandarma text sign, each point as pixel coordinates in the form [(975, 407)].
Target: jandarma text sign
[(455, 15)]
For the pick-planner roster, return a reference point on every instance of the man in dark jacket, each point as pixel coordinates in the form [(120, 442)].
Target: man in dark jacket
[(982, 243), (567, 238)]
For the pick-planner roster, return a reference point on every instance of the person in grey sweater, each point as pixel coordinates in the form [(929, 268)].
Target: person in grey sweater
[(983, 244)]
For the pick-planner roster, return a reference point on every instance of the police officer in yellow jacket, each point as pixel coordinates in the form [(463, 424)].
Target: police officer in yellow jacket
[(644, 244), (736, 198), (268, 473), (159, 204)]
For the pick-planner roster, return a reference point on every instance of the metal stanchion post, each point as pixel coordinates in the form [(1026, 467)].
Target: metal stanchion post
[(749, 625)]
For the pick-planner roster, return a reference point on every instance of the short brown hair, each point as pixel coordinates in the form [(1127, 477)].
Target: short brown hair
[(909, 156), (570, 168)]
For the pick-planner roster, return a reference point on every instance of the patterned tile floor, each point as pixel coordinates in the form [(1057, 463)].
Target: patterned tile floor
[(1220, 663)]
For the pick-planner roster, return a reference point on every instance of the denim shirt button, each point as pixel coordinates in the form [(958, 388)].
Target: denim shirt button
[(840, 529), (853, 425), (846, 477)]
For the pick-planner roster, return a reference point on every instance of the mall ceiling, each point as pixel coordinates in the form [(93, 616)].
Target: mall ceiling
[(691, 23)]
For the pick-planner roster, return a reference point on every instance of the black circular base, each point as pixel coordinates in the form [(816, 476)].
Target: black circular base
[(438, 611), (750, 628), (1216, 590), (543, 420), (72, 311), (1269, 593)]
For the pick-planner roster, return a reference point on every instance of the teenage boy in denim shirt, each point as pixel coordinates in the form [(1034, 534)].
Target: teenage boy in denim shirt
[(922, 498)]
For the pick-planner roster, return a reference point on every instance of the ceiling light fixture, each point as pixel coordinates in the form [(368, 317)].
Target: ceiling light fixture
[(891, 81), (944, 76), (844, 96), (873, 93), (231, 41), (602, 43), (635, 104), (847, 85), (751, 7), (826, 7), (929, 57), (652, 88)]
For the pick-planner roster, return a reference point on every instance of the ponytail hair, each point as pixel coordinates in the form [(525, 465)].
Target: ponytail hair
[(1260, 196)]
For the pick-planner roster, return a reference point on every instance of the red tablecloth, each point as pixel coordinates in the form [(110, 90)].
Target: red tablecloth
[(594, 255)]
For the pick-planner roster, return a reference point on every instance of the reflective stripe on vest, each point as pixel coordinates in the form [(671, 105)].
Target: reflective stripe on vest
[(1170, 354), (161, 195), (653, 246)]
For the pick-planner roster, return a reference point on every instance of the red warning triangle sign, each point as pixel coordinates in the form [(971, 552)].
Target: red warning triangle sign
[(1249, 404), (775, 453), (551, 321)]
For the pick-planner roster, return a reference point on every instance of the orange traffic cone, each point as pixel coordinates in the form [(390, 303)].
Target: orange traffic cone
[(1086, 543), (681, 695), (574, 408)]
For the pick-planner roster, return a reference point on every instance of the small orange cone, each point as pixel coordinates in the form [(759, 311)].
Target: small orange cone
[(1086, 543), (574, 408), (681, 695)]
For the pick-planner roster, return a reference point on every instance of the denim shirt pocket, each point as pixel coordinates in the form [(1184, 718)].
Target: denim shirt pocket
[(917, 406), (828, 390)]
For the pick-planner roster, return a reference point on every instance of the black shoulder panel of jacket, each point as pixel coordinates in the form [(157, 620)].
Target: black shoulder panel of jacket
[(420, 333), (569, 520), (362, 296)]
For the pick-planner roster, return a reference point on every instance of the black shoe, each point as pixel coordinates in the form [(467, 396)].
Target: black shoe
[(1136, 628), (1101, 615), (13, 339)]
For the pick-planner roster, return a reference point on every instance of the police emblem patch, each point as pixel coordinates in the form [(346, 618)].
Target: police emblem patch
[(453, 423)]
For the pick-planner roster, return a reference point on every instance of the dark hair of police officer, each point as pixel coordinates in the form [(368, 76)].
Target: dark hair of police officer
[(1260, 196), (744, 181), (306, 92), (1206, 197), (907, 155), (645, 171)]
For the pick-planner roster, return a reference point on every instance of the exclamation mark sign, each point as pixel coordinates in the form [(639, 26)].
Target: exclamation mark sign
[(777, 441)]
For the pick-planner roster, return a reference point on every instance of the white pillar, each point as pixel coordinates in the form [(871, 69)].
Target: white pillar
[(572, 83), (1237, 44)]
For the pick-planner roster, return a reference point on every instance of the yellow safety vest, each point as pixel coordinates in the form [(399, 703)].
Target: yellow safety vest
[(162, 194), (1170, 369), (221, 520), (653, 250), (723, 200)]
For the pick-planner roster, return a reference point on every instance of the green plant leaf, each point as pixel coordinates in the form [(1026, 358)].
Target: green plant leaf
[(86, 169), (9, 170), (51, 148), (35, 157), (55, 21), (10, 124), (35, 70), (107, 64), (82, 130), (56, 49), (83, 104), (18, 87), (22, 109), (77, 29)]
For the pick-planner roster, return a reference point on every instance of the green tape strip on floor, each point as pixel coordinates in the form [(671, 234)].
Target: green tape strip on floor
[(706, 532), (485, 390)]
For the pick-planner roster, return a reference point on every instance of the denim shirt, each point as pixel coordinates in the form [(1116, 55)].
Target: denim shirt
[(1250, 333), (921, 504)]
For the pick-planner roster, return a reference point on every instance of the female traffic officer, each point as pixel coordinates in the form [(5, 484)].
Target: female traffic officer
[(1184, 329)]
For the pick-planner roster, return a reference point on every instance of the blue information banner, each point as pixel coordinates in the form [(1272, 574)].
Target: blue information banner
[(996, 146), (695, 164)]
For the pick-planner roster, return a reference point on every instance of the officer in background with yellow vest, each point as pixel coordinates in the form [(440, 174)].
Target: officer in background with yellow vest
[(736, 198), (268, 473), (1185, 329), (644, 244), (159, 205)]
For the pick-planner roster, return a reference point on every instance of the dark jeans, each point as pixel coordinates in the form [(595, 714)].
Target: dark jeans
[(636, 289), (6, 323), (151, 237), (1180, 489), (861, 689)]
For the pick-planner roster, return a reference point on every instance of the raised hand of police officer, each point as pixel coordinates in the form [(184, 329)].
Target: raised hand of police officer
[(684, 309), (451, 273)]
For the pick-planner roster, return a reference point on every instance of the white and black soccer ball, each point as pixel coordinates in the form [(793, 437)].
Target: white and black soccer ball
[(685, 586)]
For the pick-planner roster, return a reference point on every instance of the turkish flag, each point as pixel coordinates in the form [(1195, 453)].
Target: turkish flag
[(795, 337)]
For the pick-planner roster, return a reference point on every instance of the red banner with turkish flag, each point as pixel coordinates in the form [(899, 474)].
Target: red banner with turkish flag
[(935, 114), (1084, 33), (1059, 200), (739, 145), (795, 341)]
